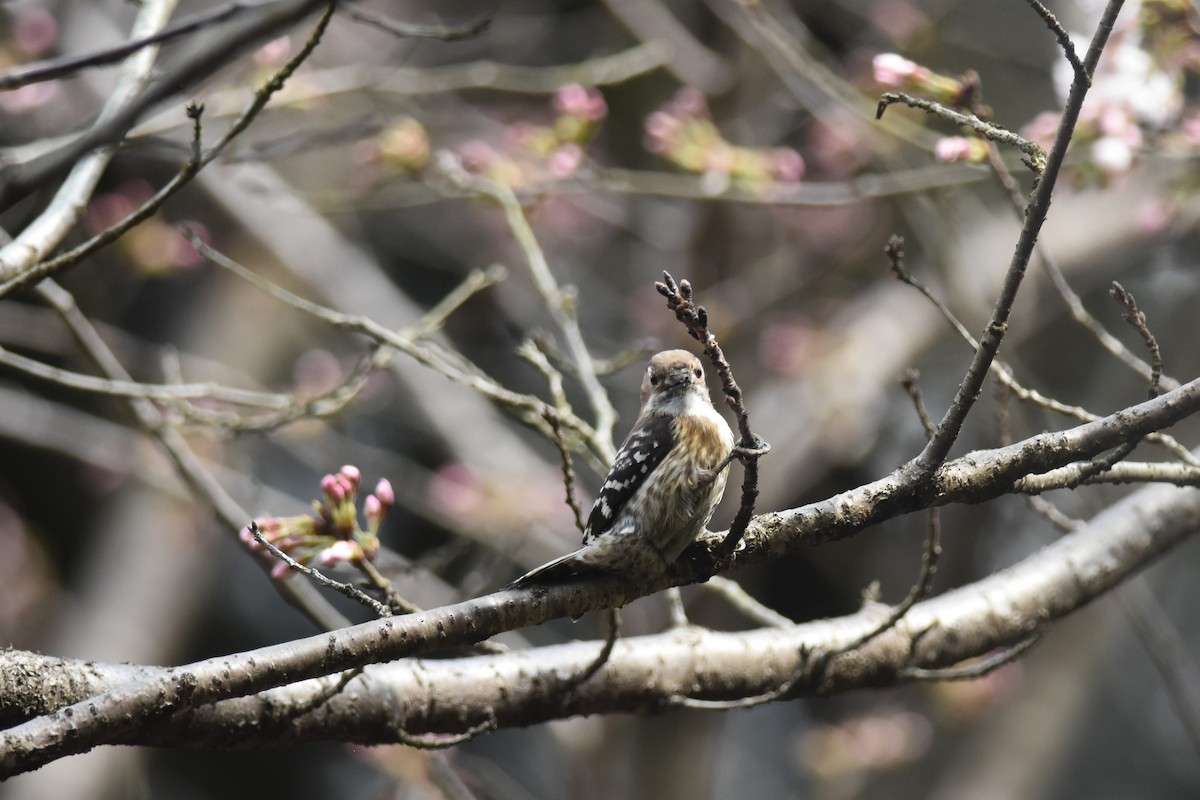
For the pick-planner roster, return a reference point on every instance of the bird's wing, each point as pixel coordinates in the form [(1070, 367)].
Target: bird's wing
[(644, 449)]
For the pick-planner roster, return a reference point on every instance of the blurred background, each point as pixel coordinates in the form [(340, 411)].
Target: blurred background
[(733, 144)]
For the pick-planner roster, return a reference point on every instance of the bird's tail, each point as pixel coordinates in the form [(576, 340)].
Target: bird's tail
[(559, 569)]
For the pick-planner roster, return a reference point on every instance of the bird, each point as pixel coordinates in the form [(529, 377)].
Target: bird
[(663, 485)]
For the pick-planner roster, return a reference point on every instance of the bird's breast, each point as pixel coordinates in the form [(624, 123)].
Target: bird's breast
[(711, 442)]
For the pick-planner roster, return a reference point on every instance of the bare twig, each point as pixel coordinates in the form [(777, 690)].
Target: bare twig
[(260, 22), (920, 469), (149, 391), (561, 304), (568, 470), (976, 670), (381, 584), (47, 231), (351, 591), (1035, 156), (301, 594), (909, 381), (1052, 514), (443, 741), (1004, 372), (445, 33), (1075, 474), (740, 599), (751, 447), (813, 669), (65, 65), (1069, 296), (532, 352), (930, 554), (675, 608), (22, 277), (612, 623), (1064, 40), (1171, 655), (528, 409), (1138, 320)]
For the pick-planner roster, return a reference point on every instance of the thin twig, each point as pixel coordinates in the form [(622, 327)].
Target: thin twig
[(189, 171), (529, 409), (301, 594), (532, 352), (612, 620), (1171, 655), (1069, 296), (47, 231), (263, 21), (381, 584), (445, 33), (909, 381), (561, 304), (930, 555), (918, 471), (1064, 40), (568, 470), (1004, 372), (351, 591), (1138, 320), (1035, 156), (400, 605), (443, 741), (149, 391), (751, 447), (1076, 474), (741, 600), (976, 670), (65, 65), (676, 611), (813, 669)]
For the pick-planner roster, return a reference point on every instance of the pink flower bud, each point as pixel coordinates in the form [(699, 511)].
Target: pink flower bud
[(960, 148), (689, 103), (385, 493), (787, 165), (248, 539), (333, 490), (893, 71), (351, 473), (478, 156), (282, 571), (575, 100), (374, 511), (662, 131), (565, 160), (338, 552)]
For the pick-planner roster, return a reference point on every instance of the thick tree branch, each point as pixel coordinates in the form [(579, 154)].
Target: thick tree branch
[(973, 478), (643, 673)]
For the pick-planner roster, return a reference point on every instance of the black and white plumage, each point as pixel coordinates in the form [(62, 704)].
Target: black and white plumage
[(665, 482)]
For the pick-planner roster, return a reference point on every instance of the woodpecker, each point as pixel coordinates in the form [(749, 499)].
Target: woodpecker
[(664, 484)]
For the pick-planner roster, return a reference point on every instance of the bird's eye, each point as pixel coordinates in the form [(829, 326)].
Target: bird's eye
[(699, 373), (653, 379)]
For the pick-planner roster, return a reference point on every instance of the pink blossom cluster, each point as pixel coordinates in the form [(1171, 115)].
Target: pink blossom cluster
[(682, 132), (332, 534), (1138, 93), (535, 153)]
